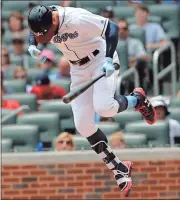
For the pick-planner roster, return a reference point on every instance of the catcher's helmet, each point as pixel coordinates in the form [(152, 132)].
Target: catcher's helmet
[(40, 19)]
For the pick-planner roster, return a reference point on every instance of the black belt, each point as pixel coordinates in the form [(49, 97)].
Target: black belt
[(84, 60)]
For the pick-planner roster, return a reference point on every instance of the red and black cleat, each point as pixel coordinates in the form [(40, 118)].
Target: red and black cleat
[(124, 179), (144, 106)]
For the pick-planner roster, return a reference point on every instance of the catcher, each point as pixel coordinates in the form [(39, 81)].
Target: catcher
[(89, 42)]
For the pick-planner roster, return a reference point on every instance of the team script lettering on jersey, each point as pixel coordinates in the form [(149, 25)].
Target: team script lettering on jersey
[(64, 37)]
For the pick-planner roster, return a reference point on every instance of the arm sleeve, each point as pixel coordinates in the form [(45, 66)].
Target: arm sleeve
[(32, 39), (111, 38)]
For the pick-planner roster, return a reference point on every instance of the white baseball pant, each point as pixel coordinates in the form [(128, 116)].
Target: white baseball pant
[(98, 98)]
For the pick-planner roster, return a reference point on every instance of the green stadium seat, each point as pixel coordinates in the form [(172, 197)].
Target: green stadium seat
[(170, 18), (175, 102), (58, 106), (94, 4), (33, 73), (6, 145), (123, 11), (11, 120), (50, 3), (63, 82), (17, 60), (127, 117), (148, 3), (48, 123), (30, 63), (135, 140), (175, 113), (138, 34), (108, 128), (122, 51), (7, 39), (157, 134), (22, 135), (15, 5), (64, 110), (5, 14), (24, 99), (15, 85), (81, 143)]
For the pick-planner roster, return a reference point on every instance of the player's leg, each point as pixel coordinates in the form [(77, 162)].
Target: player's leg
[(83, 111), (120, 169), (82, 107), (108, 104)]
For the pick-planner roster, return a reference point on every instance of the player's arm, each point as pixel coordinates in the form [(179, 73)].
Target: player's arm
[(32, 39), (33, 50), (111, 35)]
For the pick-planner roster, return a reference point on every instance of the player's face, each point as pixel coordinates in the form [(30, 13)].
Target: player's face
[(123, 29), (160, 113)]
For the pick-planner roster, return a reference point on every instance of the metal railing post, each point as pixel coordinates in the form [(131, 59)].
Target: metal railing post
[(173, 73), (169, 69), (131, 71)]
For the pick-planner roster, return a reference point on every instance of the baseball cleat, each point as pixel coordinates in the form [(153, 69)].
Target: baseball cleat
[(124, 179), (144, 106)]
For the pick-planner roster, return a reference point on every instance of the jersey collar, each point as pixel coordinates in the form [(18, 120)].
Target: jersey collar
[(61, 15)]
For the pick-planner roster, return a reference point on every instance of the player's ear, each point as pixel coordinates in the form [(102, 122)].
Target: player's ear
[(53, 19)]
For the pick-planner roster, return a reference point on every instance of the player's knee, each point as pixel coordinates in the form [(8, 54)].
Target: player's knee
[(104, 110), (85, 128)]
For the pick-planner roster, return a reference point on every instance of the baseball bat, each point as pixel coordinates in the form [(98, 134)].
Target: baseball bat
[(79, 90)]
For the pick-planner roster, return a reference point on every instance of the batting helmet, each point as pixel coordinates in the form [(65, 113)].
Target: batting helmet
[(40, 19)]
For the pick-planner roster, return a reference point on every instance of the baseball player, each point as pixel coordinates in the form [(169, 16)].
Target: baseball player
[(89, 42)]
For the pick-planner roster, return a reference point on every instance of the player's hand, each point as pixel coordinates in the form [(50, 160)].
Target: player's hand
[(108, 67), (36, 53)]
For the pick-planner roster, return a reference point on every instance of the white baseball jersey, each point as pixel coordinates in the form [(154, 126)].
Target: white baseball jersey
[(80, 33)]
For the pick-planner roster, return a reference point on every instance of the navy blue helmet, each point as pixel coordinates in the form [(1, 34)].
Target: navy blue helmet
[(40, 19)]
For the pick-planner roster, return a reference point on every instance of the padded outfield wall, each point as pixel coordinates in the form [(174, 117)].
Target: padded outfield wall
[(81, 175)]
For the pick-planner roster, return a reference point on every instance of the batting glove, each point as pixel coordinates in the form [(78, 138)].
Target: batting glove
[(108, 67), (35, 53)]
